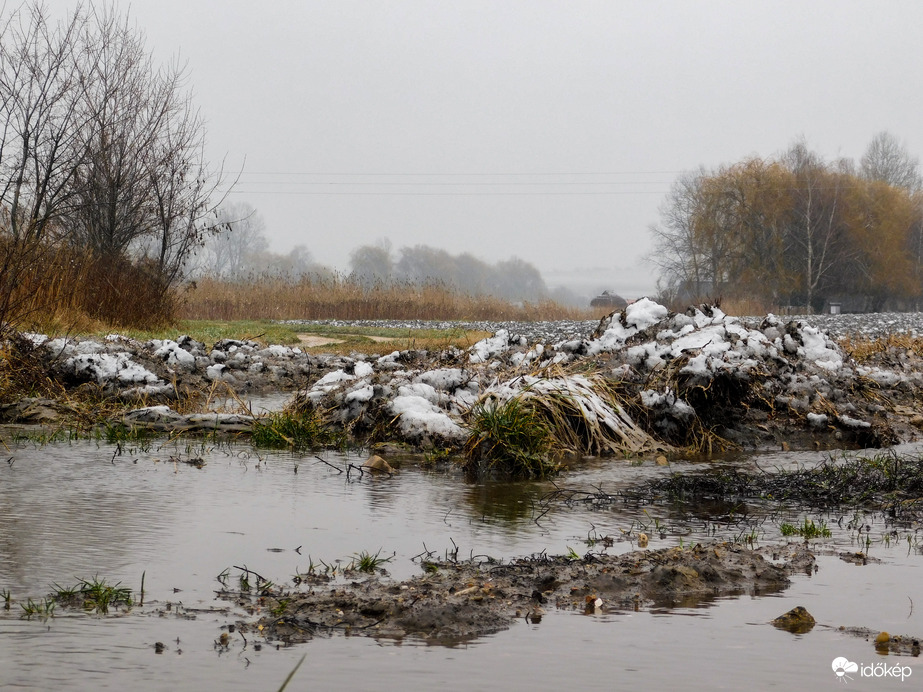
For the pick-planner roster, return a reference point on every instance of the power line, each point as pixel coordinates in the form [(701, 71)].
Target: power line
[(478, 174), (448, 194), (462, 184)]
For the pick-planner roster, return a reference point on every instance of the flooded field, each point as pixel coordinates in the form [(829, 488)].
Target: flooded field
[(71, 511)]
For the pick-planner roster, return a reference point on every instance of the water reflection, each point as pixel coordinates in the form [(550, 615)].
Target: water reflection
[(70, 510), (508, 503)]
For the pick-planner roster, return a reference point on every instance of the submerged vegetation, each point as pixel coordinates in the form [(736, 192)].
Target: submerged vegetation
[(295, 430), (88, 594), (888, 479), (93, 594), (367, 562), (807, 529)]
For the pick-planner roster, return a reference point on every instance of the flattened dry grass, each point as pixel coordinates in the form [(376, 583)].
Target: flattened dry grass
[(862, 348), (339, 298), (528, 433)]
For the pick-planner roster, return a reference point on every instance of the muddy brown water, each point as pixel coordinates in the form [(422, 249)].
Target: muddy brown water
[(78, 510)]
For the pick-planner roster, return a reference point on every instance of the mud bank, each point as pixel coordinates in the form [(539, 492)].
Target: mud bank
[(457, 601)]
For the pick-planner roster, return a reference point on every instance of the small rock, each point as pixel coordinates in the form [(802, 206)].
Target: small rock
[(797, 621), (376, 463), (662, 460)]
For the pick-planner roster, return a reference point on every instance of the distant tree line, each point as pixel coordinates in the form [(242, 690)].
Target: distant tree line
[(512, 279), (240, 250), (101, 149), (797, 230)]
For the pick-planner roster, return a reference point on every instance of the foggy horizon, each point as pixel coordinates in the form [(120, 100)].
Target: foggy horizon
[(539, 130)]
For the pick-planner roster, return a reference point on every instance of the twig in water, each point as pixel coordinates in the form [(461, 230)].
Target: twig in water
[(352, 466), (292, 674), (10, 462), (250, 571), (336, 468), (911, 607)]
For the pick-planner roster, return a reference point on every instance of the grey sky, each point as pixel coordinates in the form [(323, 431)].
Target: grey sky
[(546, 130)]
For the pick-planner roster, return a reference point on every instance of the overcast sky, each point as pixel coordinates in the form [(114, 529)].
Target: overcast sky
[(546, 130)]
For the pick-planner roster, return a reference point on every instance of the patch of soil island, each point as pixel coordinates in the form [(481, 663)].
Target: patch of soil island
[(457, 601)]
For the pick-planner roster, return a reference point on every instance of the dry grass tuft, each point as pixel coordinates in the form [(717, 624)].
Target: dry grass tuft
[(528, 422)]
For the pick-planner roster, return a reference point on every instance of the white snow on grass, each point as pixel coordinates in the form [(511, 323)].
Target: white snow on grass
[(362, 369), (361, 394), (446, 379), (333, 378), (173, 354), (644, 313), (818, 349), (104, 367), (490, 347), (817, 420), (418, 417)]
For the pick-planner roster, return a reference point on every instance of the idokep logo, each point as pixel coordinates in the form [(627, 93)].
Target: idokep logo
[(842, 667)]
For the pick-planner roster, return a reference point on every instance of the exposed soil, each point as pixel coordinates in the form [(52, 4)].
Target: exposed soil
[(456, 601)]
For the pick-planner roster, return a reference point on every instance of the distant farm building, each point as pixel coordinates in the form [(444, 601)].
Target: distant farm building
[(607, 299)]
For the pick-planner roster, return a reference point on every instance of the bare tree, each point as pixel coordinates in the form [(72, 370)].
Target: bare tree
[(101, 154), (888, 161), (677, 251), (372, 264), (817, 224), (40, 119), (142, 182), (236, 247)]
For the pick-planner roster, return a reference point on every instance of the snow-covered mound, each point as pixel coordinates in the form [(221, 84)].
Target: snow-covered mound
[(680, 375), (645, 377)]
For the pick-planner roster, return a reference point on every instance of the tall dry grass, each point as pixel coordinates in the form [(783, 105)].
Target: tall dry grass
[(340, 298), (58, 288)]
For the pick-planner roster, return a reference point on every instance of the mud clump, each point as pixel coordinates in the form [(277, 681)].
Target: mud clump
[(884, 643), (797, 621), (457, 601)]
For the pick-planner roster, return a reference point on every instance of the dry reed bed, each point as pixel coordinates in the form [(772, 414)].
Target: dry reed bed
[(58, 288), (340, 298)]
